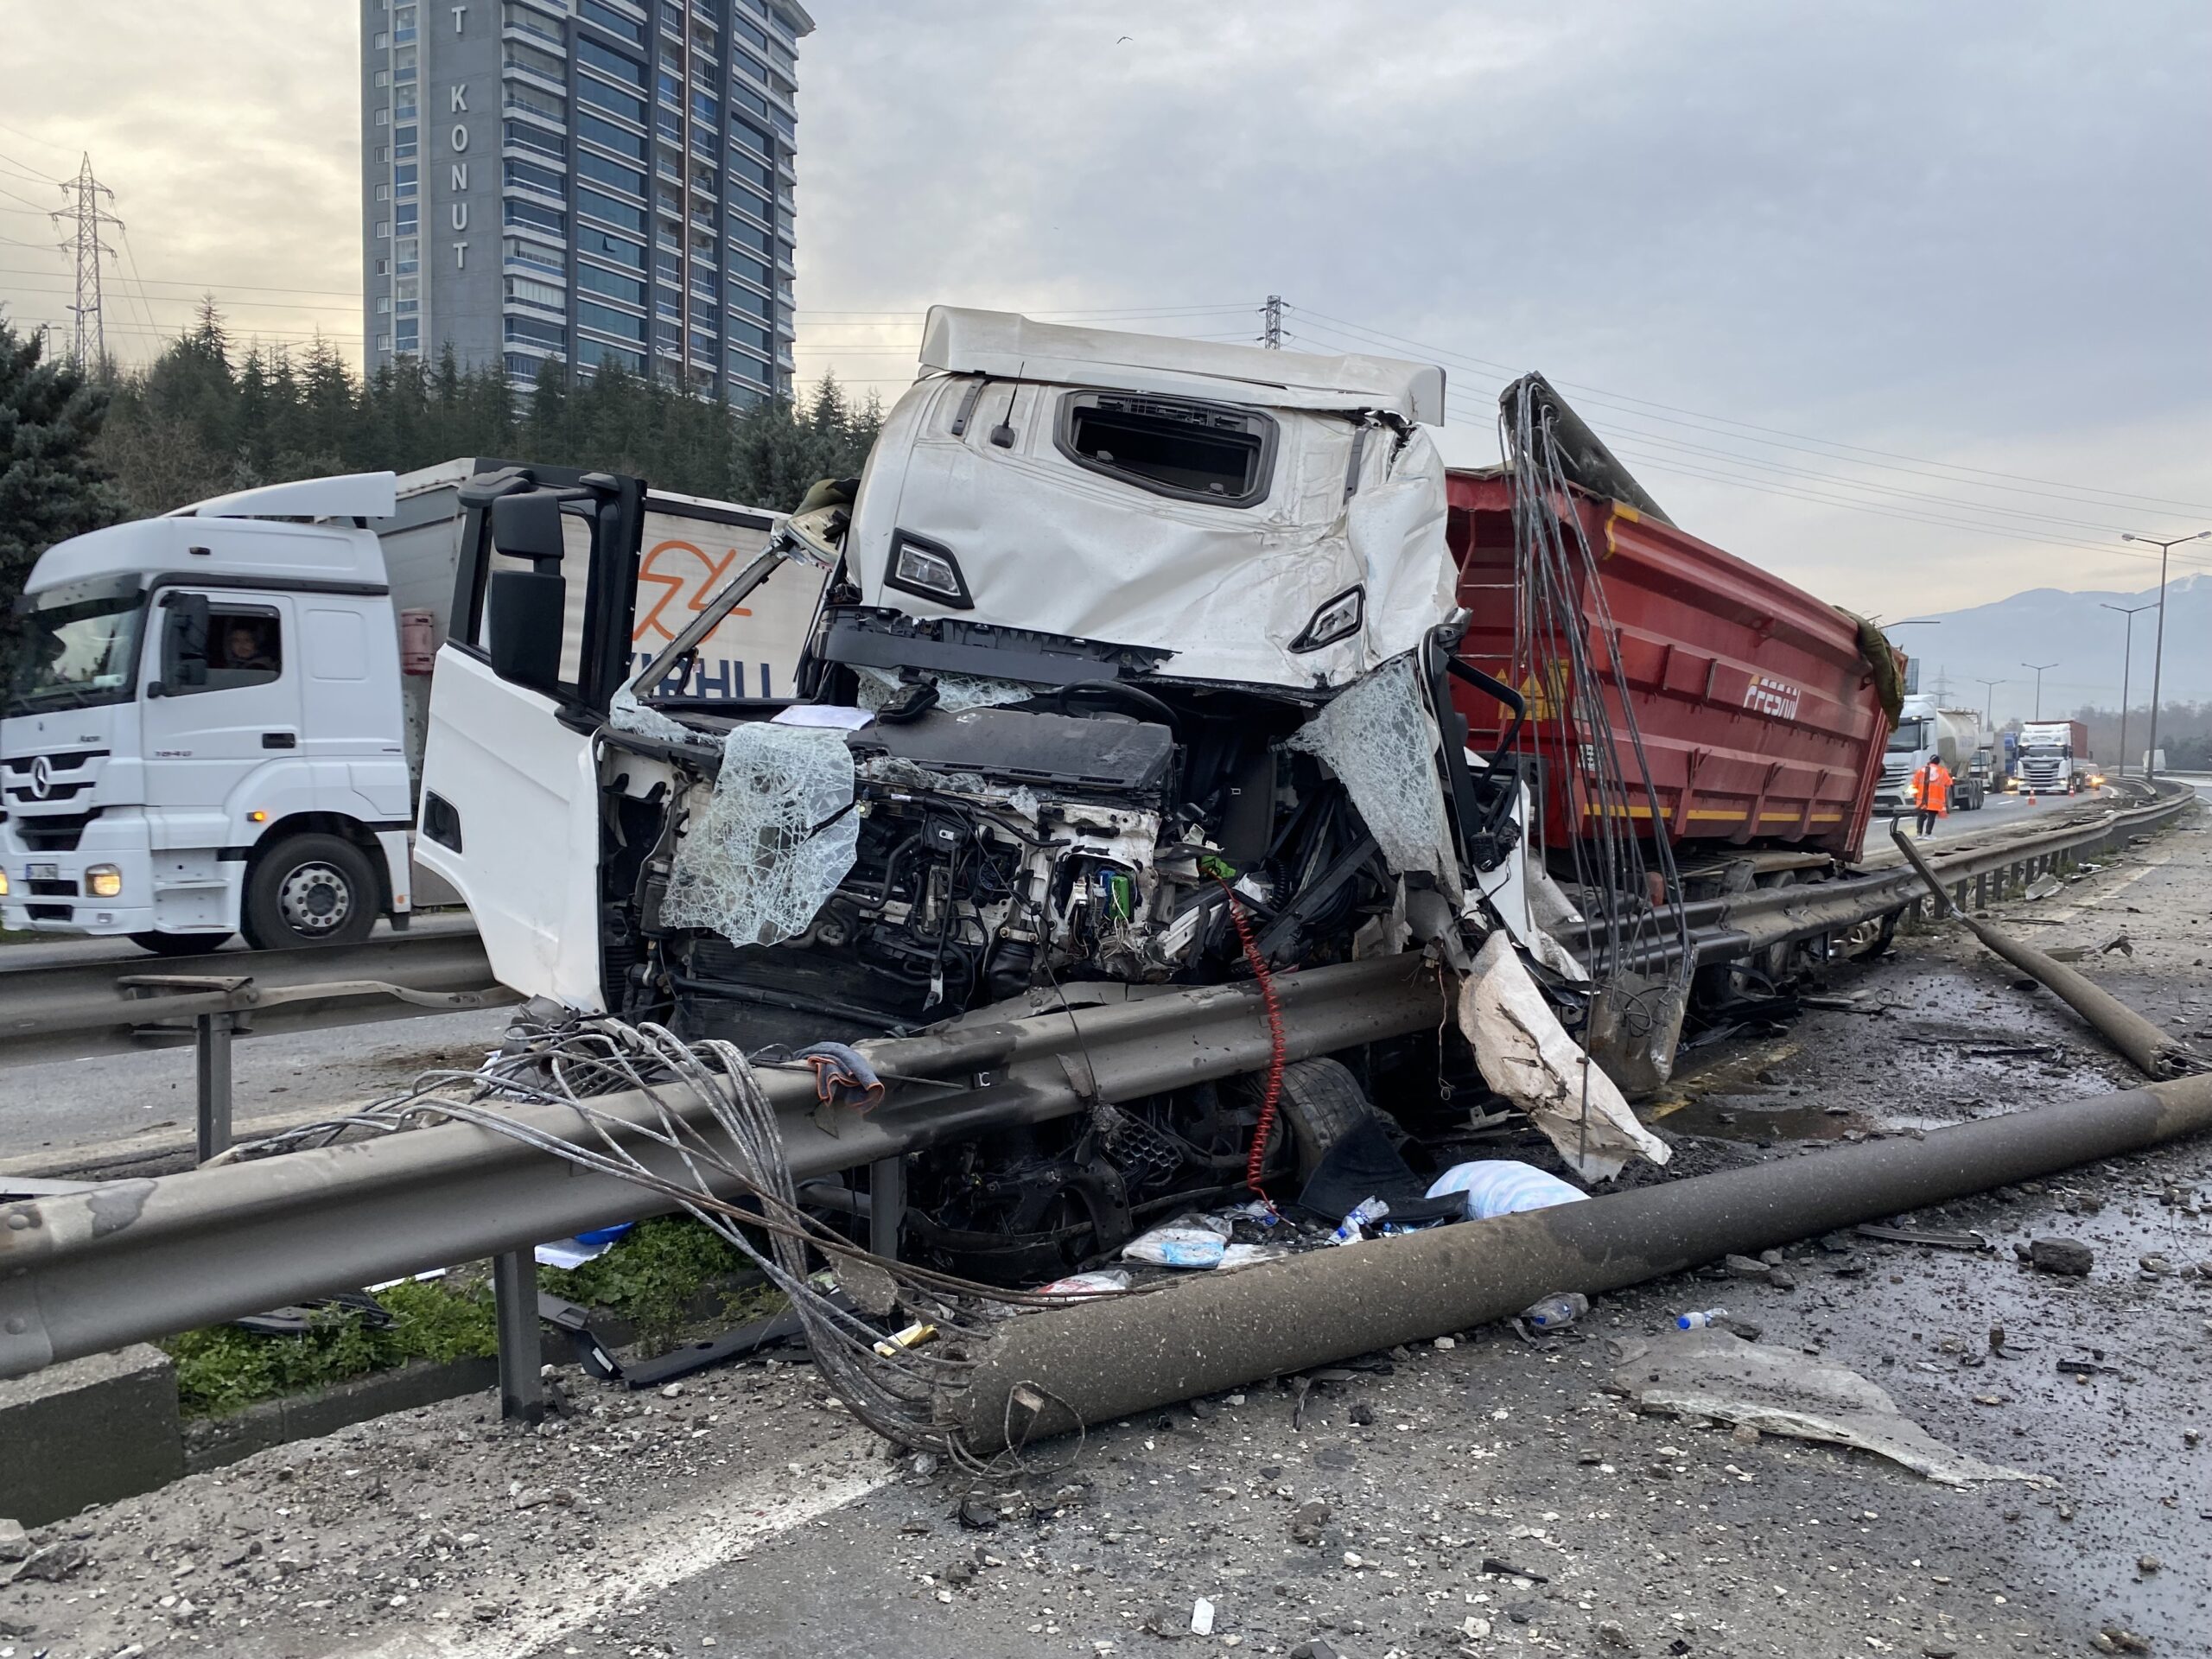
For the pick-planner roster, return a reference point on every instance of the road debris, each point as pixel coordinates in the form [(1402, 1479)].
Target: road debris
[(2068, 1257), (1717, 1375)]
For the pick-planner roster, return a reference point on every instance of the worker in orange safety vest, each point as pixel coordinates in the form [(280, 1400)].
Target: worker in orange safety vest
[(1932, 792)]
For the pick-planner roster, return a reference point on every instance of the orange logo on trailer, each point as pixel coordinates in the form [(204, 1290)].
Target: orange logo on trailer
[(679, 569)]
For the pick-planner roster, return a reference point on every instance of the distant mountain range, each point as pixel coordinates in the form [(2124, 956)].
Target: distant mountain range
[(2047, 625)]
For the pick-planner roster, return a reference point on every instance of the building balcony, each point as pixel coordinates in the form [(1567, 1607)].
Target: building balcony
[(545, 35), (537, 194)]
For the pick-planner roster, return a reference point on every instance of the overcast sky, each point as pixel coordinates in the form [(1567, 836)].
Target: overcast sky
[(1754, 242)]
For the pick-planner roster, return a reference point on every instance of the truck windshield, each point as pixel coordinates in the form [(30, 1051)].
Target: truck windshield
[(74, 646), (1911, 736)]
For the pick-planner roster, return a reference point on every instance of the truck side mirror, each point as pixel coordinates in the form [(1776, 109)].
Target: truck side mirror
[(526, 616), (528, 526), (527, 611), (184, 645)]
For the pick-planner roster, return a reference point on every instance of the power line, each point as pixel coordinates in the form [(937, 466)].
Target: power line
[(202, 288), (44, 144), (2080, 493), (194, 299)]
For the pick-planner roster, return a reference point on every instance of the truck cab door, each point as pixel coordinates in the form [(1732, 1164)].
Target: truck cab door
[(540, 639), (222, 699)]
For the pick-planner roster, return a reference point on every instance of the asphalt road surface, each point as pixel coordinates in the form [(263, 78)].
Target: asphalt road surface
[(1490, 1496)]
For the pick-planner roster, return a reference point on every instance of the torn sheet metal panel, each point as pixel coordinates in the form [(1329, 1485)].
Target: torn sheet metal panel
[(1043, 544), (777, 836), (1525, 1055), (1779, 1390)]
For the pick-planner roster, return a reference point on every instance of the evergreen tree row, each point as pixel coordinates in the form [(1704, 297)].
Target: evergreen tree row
[(209, 416)]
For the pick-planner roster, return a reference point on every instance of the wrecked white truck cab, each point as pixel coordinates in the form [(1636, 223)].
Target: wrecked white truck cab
[(1130, 674)]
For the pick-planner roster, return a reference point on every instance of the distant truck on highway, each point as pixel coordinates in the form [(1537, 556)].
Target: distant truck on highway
[(2053, 757), (214, 720), (1954, 735)]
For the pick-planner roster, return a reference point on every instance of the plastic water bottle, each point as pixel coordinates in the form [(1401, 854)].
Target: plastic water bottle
[(1558, 1311), (1699, 1321), (1365, 1213)]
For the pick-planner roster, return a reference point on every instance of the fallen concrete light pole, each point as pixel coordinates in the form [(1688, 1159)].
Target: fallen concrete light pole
[(2154, 1052), (1048, 1373)]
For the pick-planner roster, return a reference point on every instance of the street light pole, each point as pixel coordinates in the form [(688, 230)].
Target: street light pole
[(2158, 649), (2038, 668), (2127, 653), (1989, 701)]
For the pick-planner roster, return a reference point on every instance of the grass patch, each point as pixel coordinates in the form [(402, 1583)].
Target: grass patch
[(654, 1277), (221, 1368)]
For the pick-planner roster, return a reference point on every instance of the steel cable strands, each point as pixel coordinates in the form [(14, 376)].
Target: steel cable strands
[(899, 1390), (1633, 1019)]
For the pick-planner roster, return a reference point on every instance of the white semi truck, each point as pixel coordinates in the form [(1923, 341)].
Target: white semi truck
[(1954, 735), (214, 720), (2053, 757)]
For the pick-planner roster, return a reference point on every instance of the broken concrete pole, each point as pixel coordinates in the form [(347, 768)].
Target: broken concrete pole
[(1043, 1374), (2154, 1052)]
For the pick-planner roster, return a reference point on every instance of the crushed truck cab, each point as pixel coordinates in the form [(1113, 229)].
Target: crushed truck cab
[(1132, 673)]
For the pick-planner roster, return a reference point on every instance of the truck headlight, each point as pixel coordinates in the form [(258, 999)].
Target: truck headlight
[(103, 881), (3, 884), (1337, 619), (919, 566)]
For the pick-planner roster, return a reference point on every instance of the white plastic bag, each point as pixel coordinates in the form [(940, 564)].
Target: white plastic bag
[(1190, 1241), (1503, 1186)]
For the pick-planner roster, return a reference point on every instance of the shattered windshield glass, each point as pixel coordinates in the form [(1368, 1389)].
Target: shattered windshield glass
[(75, 646)]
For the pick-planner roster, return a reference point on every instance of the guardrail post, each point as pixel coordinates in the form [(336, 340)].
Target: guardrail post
[(211, 1055), (514, 1297), (886, 1206)]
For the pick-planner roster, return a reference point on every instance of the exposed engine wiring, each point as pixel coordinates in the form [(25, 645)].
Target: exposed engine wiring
[(1271, 1095)]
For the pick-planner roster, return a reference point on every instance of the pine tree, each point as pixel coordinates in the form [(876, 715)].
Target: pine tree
[(52, 485)]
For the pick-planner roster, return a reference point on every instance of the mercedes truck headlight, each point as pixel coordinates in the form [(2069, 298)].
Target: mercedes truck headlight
[(103, 881), (1337, 618), (927, 568)]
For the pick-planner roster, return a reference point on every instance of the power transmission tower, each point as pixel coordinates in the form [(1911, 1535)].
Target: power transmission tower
[(83, 221), (1271, 338)]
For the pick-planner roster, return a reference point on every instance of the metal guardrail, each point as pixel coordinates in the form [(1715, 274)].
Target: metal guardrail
[(86, 1271), (69, 1010)]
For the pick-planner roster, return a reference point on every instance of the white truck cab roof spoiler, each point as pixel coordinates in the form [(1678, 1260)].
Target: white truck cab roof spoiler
[(1008, 346), (349, 495)]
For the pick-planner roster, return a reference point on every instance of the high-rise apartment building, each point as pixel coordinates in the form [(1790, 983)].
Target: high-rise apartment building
[(598, 180)]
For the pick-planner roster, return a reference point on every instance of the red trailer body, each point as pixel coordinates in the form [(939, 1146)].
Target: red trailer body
[(1760, 715)]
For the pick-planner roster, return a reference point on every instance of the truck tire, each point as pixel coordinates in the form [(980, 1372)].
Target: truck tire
[(307, 890), (180, 944), (1322, 1102)]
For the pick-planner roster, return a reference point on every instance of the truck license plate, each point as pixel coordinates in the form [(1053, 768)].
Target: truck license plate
[(42, 873)]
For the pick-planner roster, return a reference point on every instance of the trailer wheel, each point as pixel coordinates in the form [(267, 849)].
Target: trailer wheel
[(180, 944), (1867, 940), (1323, 1102), (313, 889)]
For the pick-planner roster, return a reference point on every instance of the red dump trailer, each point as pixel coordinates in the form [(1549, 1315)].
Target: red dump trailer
[(1757, 703)]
